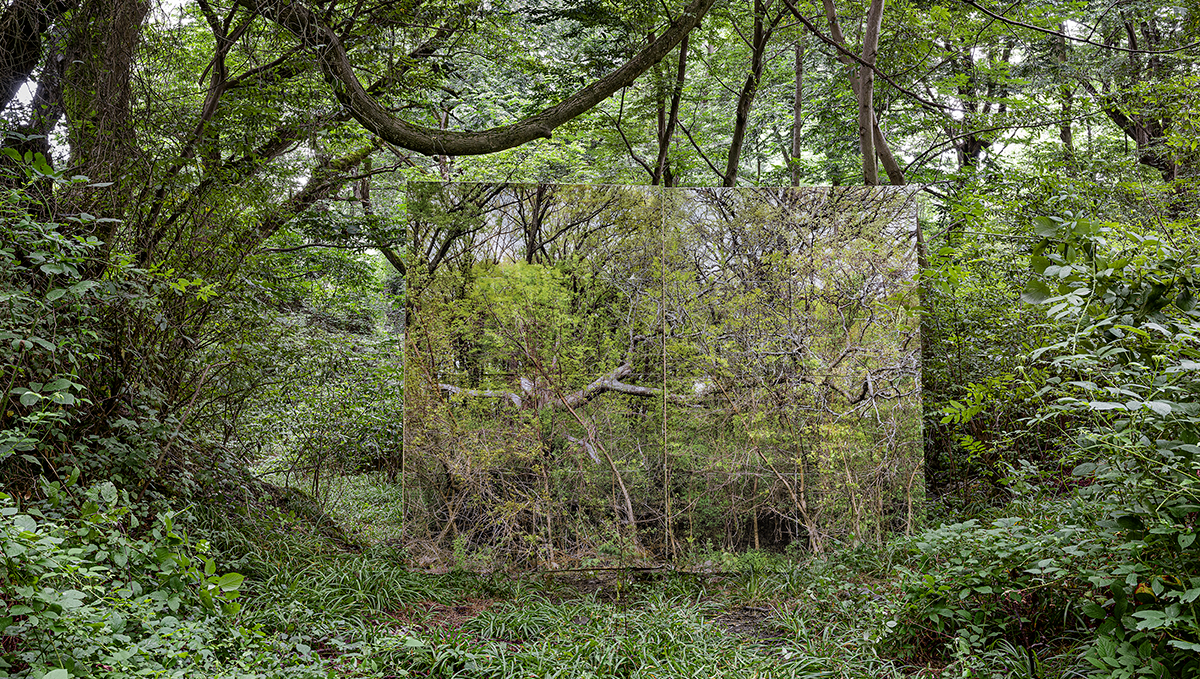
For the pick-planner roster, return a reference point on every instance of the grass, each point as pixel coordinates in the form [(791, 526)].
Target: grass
[(366, 614), (650, 636), (367, 506)]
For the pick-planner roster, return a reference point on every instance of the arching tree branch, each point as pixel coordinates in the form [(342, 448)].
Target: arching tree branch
[(338, 70)]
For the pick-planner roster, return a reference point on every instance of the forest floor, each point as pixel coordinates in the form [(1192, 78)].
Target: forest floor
[(369, 608)]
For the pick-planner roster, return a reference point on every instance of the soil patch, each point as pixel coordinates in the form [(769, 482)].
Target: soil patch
[(752, 623), (431, 614)]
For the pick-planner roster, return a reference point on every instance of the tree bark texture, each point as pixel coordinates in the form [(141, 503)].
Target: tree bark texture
[(101, 43)]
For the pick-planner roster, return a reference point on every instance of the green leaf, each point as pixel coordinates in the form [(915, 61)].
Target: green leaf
[(1036, 292), (48, 346), (63, 398), (25, 523), (1186, 539), (1130, 522), (30, 397), (1159, 407), (1094, 610), (1084, 469), (1185, 364), (1186, 301), (1085, 227), (55, 294), (230, 581), (1150, 619), (206, 599), (71, 599), (59, 673), (1045, 227), (1122, 601), (57, 385), (1105, 405)]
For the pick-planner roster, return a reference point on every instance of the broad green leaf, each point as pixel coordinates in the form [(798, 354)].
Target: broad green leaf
[(1150, 619), (230, 581), (1122, 601), (1185, 364), (1160, 407), (1036, 292), (1130, 522), (71, 599), (1186, 301), (25, 522), (1045, 227), (63, 398)]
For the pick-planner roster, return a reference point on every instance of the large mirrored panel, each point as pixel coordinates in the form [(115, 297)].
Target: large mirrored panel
[(636, 371)]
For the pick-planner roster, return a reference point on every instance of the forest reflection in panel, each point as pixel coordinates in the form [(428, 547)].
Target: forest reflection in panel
[(642, 370)]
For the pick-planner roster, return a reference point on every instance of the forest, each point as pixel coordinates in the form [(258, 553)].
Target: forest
[(568, 338)]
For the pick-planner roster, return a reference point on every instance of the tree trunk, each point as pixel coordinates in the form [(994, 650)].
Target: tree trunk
[(866, 87), (894, 172), (662, 166), (797, 112), (758, 47), (21, 29), (879, 143), (335, 63), (97, 93), (1067, 94)]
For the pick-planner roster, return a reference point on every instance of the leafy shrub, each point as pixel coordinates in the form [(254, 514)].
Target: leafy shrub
[(1134, 353), (969, 586), (105, 595), (48, 306), (1120, 567)]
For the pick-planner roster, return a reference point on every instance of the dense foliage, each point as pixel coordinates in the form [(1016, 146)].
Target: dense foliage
[(209, 268)]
